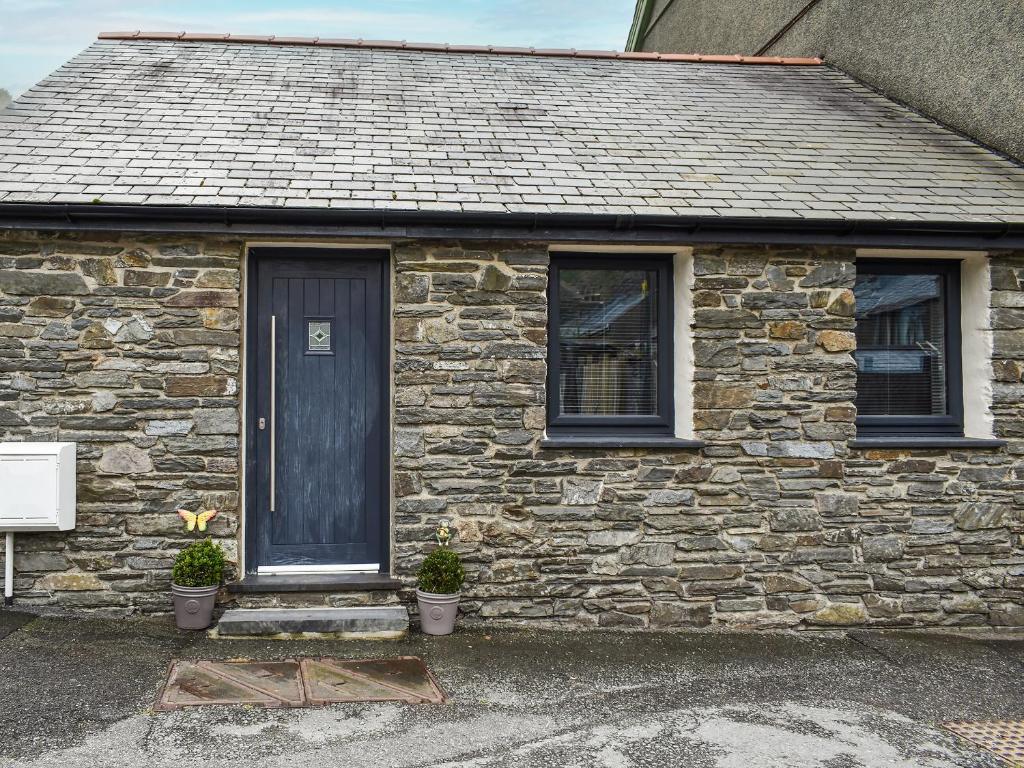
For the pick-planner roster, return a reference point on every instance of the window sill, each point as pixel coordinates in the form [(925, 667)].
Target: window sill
[(639, 441), (927, 441)]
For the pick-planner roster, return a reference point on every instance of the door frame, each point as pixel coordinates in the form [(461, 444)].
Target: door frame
[(247, 559)]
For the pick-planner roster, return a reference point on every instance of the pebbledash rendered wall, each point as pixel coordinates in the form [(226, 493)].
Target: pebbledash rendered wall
[(130, 346)]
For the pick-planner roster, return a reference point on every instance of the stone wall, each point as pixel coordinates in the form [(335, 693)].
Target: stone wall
[(776, 523), (130, 347)]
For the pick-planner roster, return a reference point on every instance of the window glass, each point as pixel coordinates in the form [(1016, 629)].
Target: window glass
[(901, 345), (608, 342)]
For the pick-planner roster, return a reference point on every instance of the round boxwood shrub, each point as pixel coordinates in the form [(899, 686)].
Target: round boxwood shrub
[(200, 564), (441, 573)]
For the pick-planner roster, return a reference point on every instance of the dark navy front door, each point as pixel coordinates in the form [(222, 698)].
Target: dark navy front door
[(317, 411)]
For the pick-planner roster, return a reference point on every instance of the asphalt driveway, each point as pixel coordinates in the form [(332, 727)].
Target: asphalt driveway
[(79, 692)]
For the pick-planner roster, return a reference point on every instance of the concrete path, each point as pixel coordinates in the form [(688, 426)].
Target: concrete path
[(78, 693)]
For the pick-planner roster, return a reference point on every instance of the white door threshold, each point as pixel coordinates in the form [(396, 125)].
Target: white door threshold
[(299, 570)]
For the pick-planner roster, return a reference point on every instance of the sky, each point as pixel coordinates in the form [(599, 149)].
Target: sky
[(37, 36)]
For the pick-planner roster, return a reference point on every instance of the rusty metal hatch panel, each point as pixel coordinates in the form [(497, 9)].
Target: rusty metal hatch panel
[(195, 683), (400, 679), (298, 683), (1003, 738)]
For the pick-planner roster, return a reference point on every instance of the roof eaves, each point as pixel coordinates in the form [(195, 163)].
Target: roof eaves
[(245, 221), (194, 37)]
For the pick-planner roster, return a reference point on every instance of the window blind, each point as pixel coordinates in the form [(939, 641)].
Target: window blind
[(901, 345), (608, 342)]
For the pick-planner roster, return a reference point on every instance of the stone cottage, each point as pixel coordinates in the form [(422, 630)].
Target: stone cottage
[(670, 341)]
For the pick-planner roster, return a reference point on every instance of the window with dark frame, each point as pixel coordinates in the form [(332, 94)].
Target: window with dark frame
[(610, 345), (909, 378)]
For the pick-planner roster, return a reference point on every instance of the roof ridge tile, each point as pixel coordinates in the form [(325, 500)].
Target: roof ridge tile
[(207, 37)]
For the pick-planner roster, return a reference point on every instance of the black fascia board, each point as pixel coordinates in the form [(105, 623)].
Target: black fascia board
[(258, 221)]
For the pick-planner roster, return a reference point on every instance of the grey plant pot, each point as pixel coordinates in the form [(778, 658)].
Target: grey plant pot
[(437, 612), (193, 606)]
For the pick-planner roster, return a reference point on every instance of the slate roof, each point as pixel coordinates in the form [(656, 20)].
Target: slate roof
[(178, 122)]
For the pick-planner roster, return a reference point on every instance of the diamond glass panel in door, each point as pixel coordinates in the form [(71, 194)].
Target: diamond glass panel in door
[(319, 336), (901, 345), (608, 342)]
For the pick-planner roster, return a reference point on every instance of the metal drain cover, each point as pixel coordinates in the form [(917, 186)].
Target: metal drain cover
[(298, 683), (1003, 738)]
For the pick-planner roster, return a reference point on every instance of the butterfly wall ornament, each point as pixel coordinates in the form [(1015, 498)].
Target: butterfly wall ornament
[(443, 533), (196, 520)]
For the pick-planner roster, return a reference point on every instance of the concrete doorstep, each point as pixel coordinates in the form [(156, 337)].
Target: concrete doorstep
[(360, 623)]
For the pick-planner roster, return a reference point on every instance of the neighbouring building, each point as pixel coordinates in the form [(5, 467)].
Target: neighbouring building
[(961, 63), (670, 343)]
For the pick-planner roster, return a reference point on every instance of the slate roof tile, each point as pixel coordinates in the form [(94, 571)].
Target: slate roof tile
[(299, 124)]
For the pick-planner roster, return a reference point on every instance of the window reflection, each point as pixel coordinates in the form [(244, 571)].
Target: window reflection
[(608, 342), (901, 355)]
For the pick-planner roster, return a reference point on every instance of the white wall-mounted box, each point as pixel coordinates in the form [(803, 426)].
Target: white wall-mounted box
[(37, 486)]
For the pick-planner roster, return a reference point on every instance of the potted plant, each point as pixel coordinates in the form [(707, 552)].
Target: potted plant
[(439, 582), (196, 577)]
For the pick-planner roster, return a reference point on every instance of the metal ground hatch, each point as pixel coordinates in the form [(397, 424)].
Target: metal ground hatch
[(298, 683), (1003, 738)]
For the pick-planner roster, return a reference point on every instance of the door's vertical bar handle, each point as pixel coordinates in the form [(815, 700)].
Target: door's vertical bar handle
[(273, 411)]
